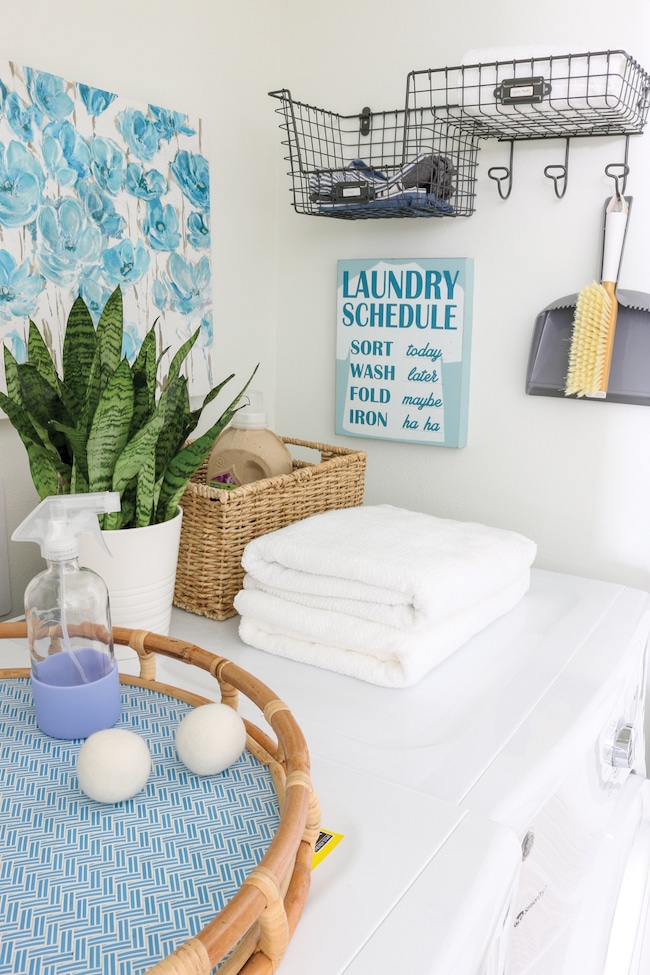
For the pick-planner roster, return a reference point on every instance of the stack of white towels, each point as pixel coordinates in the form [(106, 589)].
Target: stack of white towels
[(378, 592)]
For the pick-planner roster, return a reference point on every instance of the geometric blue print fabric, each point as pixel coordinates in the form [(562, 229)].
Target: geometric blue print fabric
[(92, 889)]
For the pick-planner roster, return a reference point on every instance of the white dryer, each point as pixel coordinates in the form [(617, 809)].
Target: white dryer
[(535, 724)]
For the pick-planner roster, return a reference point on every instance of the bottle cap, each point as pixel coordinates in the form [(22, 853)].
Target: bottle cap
[(252, 416)]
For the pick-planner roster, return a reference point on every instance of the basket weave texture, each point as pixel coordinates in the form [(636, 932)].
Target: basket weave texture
[(218, 524), (250, 934)]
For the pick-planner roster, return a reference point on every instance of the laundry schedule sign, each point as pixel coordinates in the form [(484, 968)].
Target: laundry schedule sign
[(403, 348)]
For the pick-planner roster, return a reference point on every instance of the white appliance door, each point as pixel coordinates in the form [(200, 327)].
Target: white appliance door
[(607, 937)]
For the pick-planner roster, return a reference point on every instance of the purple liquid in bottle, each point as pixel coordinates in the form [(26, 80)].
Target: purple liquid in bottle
[(67, 706)]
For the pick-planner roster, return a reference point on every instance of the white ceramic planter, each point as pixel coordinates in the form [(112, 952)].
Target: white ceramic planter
[(141, 573)]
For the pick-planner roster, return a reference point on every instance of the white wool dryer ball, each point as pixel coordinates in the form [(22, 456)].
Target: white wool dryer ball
[(210, 738), (113, 765)]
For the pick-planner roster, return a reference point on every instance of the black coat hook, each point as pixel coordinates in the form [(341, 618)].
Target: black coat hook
[(559, 174), (623, 168), (502, 175)]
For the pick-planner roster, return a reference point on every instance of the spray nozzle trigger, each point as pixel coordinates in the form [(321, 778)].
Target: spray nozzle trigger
[(57, 521)]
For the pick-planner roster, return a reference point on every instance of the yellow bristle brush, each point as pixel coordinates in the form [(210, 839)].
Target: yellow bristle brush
[(594, 322)]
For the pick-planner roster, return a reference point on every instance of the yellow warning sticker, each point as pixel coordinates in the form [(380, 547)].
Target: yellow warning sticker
[(325, 843)]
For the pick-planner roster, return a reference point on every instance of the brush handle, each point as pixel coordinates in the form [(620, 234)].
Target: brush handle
[(615, 226)]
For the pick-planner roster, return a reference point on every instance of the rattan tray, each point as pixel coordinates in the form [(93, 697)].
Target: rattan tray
[(106, 910), (217, 525)]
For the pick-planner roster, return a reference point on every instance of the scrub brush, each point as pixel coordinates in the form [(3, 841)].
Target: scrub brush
[(594, 322)]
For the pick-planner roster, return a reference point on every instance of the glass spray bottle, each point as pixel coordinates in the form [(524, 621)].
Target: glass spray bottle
[(74, 676)]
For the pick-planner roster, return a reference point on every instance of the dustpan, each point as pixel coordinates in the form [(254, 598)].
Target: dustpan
[(629, 378)]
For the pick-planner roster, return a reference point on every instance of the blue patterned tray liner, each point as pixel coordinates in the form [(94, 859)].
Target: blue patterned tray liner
[(92, 889)]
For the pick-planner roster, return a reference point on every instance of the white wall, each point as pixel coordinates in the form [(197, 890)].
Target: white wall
[(208, 59), (574, 476)]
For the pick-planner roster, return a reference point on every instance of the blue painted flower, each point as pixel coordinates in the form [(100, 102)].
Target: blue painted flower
[(145, 184), (159, 294), (96, 100), (161, 226), (125, 264), (20, 286), (188, 284), (21, 118), (3, 96), (108, 164), (94, 291), (198, 229), (101, 209), (169, 124), (192, 174), (47, 91), (131, 341), (206, 334), (65, 153), (139, 133), (21, 185), (16, 345), (67, 240)]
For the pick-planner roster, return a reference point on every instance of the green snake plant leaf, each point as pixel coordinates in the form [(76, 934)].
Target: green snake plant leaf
[(143, 371), (78, 481), (136, 452), (192, 418), (181, 355), (79, 344), (109, 336), (174, 404), (146, 492), (181, 468), (39, 355), (49, 475), (76, 440), (19, 419), (110, 428), (43, 404), (93, 392)]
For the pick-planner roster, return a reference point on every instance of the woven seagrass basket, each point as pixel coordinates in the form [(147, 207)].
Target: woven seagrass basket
[(218, 524), (250, 934)]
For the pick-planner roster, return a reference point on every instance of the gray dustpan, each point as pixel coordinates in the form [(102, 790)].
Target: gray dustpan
[(629, 378)]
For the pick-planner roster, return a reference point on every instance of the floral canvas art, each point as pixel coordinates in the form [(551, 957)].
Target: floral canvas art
[(97, 191)]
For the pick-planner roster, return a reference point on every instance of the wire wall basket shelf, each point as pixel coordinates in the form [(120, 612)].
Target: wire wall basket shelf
[(421, 161), (403, 163), (595, 94)]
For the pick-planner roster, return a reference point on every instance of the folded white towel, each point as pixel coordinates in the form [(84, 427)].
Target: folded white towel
[(386, 564), (360, 648)]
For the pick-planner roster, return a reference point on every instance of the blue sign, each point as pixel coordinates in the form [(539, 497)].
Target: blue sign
[(403, 349)]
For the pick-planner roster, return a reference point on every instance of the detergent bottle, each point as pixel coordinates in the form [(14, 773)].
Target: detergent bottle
[(247, 450), (74, 676)]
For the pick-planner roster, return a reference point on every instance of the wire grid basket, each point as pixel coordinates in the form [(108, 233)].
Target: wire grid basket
[(415, 162), (218, 524), (251, 932), (594, 94)]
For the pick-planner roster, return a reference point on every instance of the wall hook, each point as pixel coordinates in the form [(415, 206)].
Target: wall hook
[(623, 168), (503, 175), (364, 120), (559, 174)]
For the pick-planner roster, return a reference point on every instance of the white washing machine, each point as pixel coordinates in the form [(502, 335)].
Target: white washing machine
[(398, 891), (536, 724)]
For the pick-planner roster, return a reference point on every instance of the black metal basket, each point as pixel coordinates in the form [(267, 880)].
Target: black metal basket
[(404, 163), (594, 94)]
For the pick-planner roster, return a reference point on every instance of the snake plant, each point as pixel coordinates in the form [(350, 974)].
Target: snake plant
[(101, 425)]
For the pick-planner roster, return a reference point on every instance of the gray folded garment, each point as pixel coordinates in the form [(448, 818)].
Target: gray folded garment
[(433, 173)]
